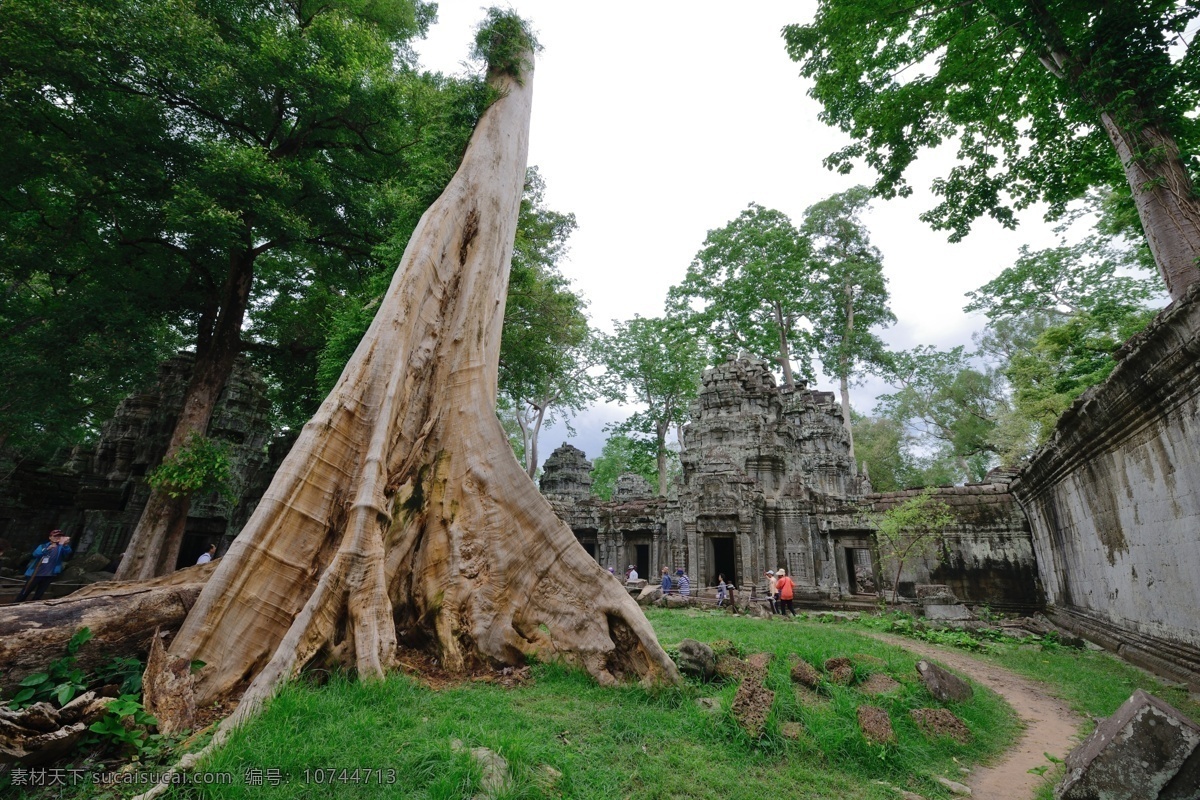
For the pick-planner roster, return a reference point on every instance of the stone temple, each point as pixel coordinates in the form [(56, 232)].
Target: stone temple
[(767, 481)]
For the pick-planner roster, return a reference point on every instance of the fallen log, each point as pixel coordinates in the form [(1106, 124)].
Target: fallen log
[(122, 617)]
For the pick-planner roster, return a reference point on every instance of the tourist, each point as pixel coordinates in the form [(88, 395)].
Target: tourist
[(772, 591), (209, 555), (45, 565), (665, 583), (722, 589), (631, 575), (786, 591), (685, 586)]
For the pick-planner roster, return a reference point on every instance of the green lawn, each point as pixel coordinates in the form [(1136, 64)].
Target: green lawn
[(612, 743), (565, 737)]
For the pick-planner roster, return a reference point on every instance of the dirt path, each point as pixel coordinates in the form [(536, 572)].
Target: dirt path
[(1050, 725)]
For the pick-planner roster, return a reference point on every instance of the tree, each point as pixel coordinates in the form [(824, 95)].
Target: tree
[(1046, 101), (750, 283), (913, 528), (400, 511), (655, 361), (547, 351), (951, 406), (623, 454), (1055, 321), (220, 147), (850, 295)]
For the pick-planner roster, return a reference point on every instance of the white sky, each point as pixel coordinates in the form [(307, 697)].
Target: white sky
[(655, 122)]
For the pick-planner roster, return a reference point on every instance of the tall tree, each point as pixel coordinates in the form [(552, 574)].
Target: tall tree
[(1055, 321), (547, 350), (286, 157), (400, 511), (748, 288), (948, 403), (850, 295), (1046, 101), (655, 361)]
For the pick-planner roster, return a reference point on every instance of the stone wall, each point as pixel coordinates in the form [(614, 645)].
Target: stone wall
[(985, 556), (1114, 501)]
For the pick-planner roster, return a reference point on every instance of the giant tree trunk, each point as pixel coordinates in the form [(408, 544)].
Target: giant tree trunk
[(400, 514), (1165, 199), (154, 547)]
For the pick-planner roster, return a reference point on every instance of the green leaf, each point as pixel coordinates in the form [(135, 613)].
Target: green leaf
[(36, 679)]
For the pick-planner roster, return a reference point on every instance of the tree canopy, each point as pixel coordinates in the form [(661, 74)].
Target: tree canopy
[(849, 292), (748, 289), (1045, 101), (657, 362)]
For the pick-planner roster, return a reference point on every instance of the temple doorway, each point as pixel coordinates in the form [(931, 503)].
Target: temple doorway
[(721, 560)]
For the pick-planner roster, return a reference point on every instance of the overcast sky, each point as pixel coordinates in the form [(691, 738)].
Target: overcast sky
[(655, 122)]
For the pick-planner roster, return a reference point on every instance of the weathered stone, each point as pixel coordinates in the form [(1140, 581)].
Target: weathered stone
[(942, 684), (729, 667), (805, 674), (494, 779), (567, 475), (697, 659), (942, 611), (955, 787), (878, 684), (1133, 754), (875, 725), (940, 722), (98, 495), (1114, 494), (840, 670), (649, 595)]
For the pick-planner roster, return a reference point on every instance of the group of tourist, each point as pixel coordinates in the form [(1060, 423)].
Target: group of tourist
[(680, 585), (780, 592)]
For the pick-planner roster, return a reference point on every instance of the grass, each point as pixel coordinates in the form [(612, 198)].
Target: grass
[(631, 742), (611, 743)]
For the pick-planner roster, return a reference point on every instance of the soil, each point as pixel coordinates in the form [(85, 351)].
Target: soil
[(875, 725), (840, 670), (935, 722), (879, 684), (1050, 725), (805, 674), (751, 705)]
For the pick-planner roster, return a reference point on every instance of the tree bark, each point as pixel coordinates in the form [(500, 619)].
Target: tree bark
[(785, 356), (400, 514), (1165, 199), (844, 377), (153, 550), (660, 455)]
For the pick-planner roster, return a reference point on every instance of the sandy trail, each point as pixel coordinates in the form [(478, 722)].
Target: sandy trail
[(1050, 725)]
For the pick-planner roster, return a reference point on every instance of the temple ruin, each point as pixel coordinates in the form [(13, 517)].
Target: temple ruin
[(767, 482)]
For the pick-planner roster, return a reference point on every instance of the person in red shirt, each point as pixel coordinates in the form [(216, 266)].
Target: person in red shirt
[(786, 592)]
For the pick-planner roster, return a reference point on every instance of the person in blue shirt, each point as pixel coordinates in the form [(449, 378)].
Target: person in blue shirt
[(47, 564), (666, 581)]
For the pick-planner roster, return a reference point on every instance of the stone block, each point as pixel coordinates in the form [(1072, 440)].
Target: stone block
[(1133, 755), (940, 612), (697, 659), (942, 684)]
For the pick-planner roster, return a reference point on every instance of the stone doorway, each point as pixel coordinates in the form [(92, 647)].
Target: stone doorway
[(721, 560), (860, 571), (641, 559)]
